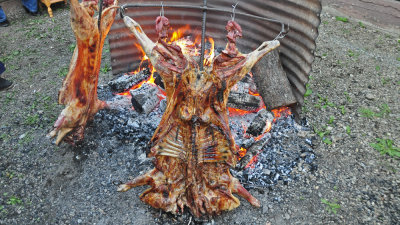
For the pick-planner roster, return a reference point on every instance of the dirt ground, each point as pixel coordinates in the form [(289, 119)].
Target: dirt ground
[(352, 100)]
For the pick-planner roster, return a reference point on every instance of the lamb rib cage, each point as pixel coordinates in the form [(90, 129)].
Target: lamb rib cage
[(193, 145)]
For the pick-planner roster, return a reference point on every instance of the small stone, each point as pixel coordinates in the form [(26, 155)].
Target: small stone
[(287, 216), (370, 96), (79, 221), (267, 171), (22, 136)]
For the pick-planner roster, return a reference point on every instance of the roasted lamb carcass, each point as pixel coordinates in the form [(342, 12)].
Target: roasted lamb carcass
[(193, 145), (79, 90)]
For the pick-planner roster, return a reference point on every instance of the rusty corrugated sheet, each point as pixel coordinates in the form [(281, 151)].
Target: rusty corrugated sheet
[(297, 48)]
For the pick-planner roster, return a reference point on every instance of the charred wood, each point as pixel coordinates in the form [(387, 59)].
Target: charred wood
[(260, 123), (126, 81), (145, 98)]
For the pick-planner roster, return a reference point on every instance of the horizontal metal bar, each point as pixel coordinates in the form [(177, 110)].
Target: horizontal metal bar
[(123, 7)]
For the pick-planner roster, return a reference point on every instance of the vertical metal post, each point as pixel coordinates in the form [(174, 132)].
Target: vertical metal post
[(203, 36)]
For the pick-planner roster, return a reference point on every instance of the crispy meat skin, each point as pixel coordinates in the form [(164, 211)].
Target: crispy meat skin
[(193, 145), (79, 90)]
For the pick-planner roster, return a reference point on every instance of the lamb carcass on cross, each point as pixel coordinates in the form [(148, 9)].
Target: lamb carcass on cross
[(193, 145), (79, 89)]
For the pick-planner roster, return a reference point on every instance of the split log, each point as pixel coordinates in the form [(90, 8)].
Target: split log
[(240, 98), (126, 81), (272, 82), (145, 98)]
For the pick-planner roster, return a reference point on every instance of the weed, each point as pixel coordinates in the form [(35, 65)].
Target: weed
[(9, 97), (63, 71), (398, 58), (366, 113), (351, 53), (347, 96), (14, 201), (377, 68), (361, 25), (348, 131), (26, 139), (342, 109), (324, 55), (335, 188), (332, 207), (308, 90), (342, 19), (106, 68), (327, 141), (71, 47), (331, 119), (325, 22), (385, 146), (32, 119), (4, 137), (384, 81), (384, 110)]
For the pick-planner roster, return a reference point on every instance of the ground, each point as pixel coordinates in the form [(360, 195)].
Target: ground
[(352, 101)]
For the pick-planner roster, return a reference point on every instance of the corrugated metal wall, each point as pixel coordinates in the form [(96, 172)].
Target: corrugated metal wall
[(296, 49)]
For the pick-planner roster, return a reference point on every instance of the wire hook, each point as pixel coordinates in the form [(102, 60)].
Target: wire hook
[(233, 11), (162, 9)]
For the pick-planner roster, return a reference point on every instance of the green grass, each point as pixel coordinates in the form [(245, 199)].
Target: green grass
[(342, 109), (14, 201), (384, 110), (332, 207), (348, 130), (71, 47), (366, 113), (377, 68), (331, 119), (105, 69), (63, 71), (32, 119), (342, 19), (361, 25), (308, 91), (385, 146)]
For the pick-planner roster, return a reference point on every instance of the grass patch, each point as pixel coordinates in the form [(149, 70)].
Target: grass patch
[(332, 207), (384, 110), (308, 91), (14, 201), (348, 130), (385, 146), (63, 71), (342, 19), (105, 69)]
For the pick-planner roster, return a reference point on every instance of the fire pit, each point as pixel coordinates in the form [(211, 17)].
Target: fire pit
[(193, 144)]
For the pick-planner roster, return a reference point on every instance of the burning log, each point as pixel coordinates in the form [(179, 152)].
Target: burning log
[(125, 82), (79, 90), (261, 123), (193, 145), (145, 98), (240, 98), (272, 82)]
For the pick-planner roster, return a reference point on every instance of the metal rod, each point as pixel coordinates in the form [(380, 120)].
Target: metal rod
[(203, 36), (203, 8), (99, 21)]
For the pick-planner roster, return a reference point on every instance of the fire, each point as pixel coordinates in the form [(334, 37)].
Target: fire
[(282, 111)]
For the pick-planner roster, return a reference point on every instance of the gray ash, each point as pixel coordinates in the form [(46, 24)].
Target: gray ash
[(286, 149)]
